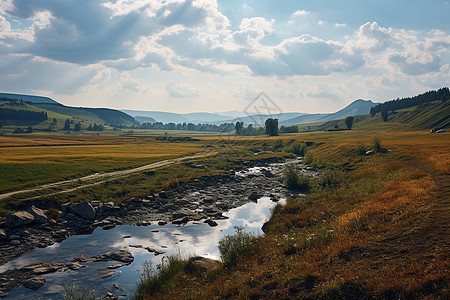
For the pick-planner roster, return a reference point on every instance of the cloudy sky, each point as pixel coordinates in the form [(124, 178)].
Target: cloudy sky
[(208, 55)]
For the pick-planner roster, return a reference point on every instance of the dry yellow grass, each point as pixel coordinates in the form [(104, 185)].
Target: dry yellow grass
[(124, 151), (29, 161), (382, 234)]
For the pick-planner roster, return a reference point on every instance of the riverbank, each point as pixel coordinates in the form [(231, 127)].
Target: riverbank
[(205, 199), (375, 226)]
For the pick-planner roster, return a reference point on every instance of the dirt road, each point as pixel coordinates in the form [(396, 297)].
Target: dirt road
[(107, 176)]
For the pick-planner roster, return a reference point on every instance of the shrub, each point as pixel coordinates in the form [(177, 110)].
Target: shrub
[(278, 144), (53, 213), (330, 179), (361, 148), (232, 247), (295, 180), (296, 148), (377, 144), (152, 281)]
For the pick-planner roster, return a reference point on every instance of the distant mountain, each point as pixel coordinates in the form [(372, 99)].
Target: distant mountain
[(142, 119), (259, 119), (27, 98), (168, 117), (357, 107)]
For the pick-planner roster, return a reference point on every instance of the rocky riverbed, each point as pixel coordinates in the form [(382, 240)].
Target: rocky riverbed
[(202, 200)]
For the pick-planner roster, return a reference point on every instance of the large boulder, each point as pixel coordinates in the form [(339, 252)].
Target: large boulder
[(38, 214), (83, 209), (18, 219), (211, 223), (253, 196), (34, 283), (205, 264)]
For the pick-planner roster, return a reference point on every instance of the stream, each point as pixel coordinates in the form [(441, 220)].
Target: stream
[(194, 238)]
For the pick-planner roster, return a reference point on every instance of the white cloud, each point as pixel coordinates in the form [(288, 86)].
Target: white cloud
[(181, 90), (340, 25), (300, 12), (371, 36), (132, 41)]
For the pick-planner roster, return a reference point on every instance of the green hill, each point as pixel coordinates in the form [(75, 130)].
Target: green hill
[(16, 114), (27, 98), (427, 116), (91, 115)]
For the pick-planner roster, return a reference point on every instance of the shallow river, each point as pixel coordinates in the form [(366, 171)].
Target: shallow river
[(191, 239)]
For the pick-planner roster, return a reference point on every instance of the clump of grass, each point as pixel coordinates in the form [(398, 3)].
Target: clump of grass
[(361, 148), (232, 247), (77, 292), (377, 144), (294, 180), (53, 213), (330, 179), (345, 290), (168, 272), (296, 148), (278, 144)]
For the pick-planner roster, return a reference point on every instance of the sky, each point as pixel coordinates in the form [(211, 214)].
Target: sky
[(311, 56)]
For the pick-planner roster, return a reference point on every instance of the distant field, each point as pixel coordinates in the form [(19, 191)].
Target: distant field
[(30, 161)]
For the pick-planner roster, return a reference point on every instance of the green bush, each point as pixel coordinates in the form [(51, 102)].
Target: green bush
[(278, 144), (361, 148), (330, 179), (169, 271), (296, 148), (295, 180), (377, 145), (232, 247)]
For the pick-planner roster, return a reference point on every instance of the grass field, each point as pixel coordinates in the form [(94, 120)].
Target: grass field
[(380, 230), (372, 226), (29, 161), (26, 162)]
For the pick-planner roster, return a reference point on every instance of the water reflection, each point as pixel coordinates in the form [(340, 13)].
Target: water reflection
[(199, 239)]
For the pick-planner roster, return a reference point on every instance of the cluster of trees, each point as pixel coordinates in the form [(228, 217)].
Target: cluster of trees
[(442, 94), (246, 131), (67, 125), (271, 127), (289, 129), (9, 114), (225, 127), (14, 102), (91, 127), (77, 126), (21, 130)]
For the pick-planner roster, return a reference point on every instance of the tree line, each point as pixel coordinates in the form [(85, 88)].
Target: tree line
[(442, 94), (22, 115), (225, 127)]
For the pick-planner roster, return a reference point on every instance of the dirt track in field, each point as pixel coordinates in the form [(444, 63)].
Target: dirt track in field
[(91, 180)]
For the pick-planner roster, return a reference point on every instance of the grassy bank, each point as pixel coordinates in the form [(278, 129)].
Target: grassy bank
[(372, 227), (26, 162)]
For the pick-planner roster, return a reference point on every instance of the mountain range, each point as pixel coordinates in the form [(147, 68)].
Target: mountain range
[(357, 107), (129, 117)]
